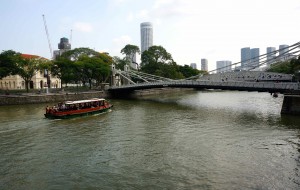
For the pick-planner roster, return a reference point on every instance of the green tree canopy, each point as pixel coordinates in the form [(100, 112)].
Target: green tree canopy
[(188, 71), (287, 67), (130, 50), (27, 68), (156, 54), (8, 60), (120, 63), (74, 54), (82, 65), (157, 61)]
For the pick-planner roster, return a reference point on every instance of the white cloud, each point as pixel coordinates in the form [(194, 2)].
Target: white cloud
[(122, 41), (159, 3), (83, 27), (161, 9), (143, 14), (130, 17), (169, 8)]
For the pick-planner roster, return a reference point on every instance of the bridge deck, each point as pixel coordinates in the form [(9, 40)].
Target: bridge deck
[(281, 87)]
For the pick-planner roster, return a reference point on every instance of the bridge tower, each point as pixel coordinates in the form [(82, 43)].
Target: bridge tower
[(115, 77), (126, 69)]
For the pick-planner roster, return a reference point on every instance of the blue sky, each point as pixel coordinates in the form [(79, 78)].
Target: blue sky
[(188, 29)]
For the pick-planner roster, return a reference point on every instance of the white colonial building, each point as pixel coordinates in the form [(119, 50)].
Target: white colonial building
[(38, 81)]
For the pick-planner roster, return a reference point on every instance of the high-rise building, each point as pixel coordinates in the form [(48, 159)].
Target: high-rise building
[(223, 66), (271, 55), (254, 57), (283, 49), (63, 46), (193, 65), (245, 57), (204, 65), (146, 36), (284, 52)]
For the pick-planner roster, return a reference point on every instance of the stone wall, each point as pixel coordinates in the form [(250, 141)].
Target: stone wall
[(44, 98), (291, 105)]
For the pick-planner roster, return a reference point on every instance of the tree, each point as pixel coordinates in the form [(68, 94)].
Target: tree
[(287, 67), (157, 61), (130, 50), (8, 60), (120, 63), (63, 69), (27, 68), (188, 71), (156, 54), (74, 54), (82, 65)]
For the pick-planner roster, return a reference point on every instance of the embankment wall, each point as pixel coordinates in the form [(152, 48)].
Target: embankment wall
[(45, 98)]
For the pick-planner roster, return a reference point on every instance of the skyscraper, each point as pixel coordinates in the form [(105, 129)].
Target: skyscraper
[(204, 65), (146, 36), (223, 66), (193, 65), (271, 55), (245, 57), (284, 52), (254, 57), (63, 46), (283, 49)]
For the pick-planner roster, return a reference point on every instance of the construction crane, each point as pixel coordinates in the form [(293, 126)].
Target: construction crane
[(47, 36)]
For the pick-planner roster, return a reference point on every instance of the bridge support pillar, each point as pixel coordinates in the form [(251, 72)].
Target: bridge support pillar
[(291, 105), (113, 75)]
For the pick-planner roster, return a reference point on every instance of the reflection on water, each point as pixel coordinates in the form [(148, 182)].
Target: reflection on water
[(194, 140)]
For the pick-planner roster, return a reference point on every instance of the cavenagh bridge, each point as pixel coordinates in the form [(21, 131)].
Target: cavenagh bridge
[(253, 78)]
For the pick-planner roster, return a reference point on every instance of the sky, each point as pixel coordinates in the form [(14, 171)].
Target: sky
[(188, 29)]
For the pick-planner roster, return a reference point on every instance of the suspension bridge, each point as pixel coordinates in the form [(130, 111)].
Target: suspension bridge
[(253, 78)]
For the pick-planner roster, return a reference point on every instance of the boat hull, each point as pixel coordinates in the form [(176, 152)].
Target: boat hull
[(73, 114)]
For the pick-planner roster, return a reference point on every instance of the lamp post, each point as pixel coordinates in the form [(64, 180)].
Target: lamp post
[(48, 80)]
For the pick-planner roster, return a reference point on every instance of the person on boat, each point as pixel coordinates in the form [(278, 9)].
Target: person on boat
[(63, 107), (47, 109)]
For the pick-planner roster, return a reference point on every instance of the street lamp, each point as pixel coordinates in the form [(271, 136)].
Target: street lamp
[(48, 80)]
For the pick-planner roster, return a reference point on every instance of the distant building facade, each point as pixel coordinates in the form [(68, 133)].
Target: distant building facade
[(193, 65), (146, 35), (63, 46), (271, 55), (245, 57), (254, 57), (132, 59), (283, 52), (223, 66), (38, 81), (204, 64)]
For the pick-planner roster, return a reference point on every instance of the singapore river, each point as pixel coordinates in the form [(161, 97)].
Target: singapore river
[(184, 140)]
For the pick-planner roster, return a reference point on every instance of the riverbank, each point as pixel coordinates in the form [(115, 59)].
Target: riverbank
[(32, 98), (35, 98)]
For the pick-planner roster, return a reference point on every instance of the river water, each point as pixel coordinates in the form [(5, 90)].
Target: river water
[(190, 140)]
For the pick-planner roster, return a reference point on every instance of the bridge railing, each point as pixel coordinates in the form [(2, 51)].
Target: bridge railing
[(214, 85)]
